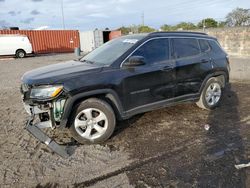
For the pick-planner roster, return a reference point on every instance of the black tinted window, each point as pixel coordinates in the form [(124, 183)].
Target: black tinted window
[(156, 50), (215, 47), (204, 45), (184, 47)]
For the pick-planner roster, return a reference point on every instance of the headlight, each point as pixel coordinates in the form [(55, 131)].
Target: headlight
[(45, 92)]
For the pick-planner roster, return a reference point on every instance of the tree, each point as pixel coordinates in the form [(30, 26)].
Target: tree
[(222, 24), (125, 30), (134, 28), (185, 26), (166, 27), (180, 26), (208, 22), (145, 29), (238, 17)]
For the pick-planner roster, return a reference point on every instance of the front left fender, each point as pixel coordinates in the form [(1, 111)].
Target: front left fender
[(72, 100)]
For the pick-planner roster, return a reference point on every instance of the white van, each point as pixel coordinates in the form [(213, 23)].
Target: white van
[(18, 45)]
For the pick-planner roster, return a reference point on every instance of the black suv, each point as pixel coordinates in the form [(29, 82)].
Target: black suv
[(126, 76)]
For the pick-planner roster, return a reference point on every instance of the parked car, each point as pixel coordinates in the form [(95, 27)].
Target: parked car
[(124, 77), (18, 45)]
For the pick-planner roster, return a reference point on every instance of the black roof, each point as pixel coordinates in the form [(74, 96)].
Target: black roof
[(180, 33)]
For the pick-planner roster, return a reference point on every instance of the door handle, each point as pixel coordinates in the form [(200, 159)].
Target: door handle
[(204, 60), (167, 68)]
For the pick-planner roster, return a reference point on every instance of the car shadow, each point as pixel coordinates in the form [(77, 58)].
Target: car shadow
[(124, 124), (223, 146)]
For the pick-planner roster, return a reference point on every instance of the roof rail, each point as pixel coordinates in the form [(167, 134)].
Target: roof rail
[(177, 32)]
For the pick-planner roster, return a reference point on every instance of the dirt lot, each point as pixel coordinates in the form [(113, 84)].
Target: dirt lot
[(164, 148)]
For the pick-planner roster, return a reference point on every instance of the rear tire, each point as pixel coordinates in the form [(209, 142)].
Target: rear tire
[(20, 53), (93, 121), (211, 94)]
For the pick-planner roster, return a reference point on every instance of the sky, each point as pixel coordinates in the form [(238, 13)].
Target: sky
[(91, 14)]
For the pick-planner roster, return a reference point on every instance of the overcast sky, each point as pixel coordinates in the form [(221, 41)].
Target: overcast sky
[(91, 14)]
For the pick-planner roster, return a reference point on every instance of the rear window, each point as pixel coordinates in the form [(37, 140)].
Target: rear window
[(184, 47), (215, 47), (204, 45)]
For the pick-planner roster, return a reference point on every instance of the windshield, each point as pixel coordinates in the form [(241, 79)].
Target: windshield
[(112, 50)]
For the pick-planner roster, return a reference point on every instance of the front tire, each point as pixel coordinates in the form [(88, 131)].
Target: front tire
[(93, 121), (211, 95)]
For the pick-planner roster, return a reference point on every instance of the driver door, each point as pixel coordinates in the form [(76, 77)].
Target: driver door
[(152, 82)]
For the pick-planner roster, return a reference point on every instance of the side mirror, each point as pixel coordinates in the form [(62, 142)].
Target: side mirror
[(135, 61)]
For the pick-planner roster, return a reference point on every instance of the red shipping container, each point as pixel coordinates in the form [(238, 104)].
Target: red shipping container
[(50, 41), (115, 34)]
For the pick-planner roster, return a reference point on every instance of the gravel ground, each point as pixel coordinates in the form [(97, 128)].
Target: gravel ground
[(163, 148)]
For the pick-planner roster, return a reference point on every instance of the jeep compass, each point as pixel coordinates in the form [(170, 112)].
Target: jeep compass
[(125, 76)]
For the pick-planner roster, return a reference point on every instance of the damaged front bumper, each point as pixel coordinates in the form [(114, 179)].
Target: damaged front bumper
[(35, 130), (63, 151)]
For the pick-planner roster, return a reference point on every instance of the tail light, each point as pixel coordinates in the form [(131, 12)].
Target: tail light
[(227, 57)]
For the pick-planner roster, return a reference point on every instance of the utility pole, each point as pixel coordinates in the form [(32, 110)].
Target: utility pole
[(142, 18), (204, 25), (62, 15)]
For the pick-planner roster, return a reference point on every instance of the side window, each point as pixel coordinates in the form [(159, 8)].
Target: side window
[(184, 47), (204, 45), (154, 51), (215, 47)]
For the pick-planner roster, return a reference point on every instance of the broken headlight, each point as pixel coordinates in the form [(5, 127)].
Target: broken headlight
[(45, 92)]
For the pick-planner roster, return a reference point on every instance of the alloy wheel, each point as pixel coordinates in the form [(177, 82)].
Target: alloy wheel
[(91, 123), (213, 94)]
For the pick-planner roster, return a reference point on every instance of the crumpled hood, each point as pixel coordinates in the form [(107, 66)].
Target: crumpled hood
[(57, 73)]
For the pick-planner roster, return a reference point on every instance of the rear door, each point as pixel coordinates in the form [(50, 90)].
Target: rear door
[(191, 65), (218, 57), (152, 82), (26, 45)]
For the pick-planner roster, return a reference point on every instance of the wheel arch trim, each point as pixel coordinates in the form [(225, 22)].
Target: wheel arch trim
[(108, 93), (19, 50), (219, 75)]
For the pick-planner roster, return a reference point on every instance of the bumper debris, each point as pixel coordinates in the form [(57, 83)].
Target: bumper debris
[(62, 150), (240, 166)]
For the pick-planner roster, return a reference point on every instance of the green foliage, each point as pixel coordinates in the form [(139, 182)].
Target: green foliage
[(238, 17), (208, 22), (145, 29), (167, 28), (185, 26), (125, 30), (136, 29), (222, 24), (180, 26)]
